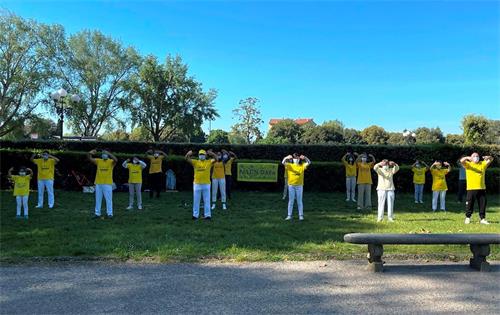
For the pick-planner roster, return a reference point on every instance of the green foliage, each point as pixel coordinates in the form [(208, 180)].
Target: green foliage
[(475, 129), (286, 129), (140, 134), (249, 119), (44, 128), (454, 139), (429, 135), (218, 136), (374, 135), (117, 135), (396, 138), (352, 136)]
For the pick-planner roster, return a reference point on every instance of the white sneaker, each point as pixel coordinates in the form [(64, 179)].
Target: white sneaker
[(301, 218), (421, 201), (467, 220), (347, 199), (213, 206), (224, 206), (359, 208), (130, 208), (416, 201), (139, 207), (379, 220), (288, 218), (391, 220), (353, 200), (483, 221), (38, 207)]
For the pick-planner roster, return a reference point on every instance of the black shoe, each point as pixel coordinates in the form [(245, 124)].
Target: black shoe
[(207, 218), (194, 218), (95, 217), (110, 216)]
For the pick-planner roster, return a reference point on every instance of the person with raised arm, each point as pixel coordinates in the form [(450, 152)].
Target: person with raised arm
[(295, 166), (135, 167), (439, 186), (349, 162), (103, 180), (45, 164), (21, 189), (365, 163), (419, 168), (201, 183), (155, 176), (385, 188)]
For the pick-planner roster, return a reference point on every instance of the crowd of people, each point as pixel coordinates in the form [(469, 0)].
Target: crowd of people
[(213, 177)]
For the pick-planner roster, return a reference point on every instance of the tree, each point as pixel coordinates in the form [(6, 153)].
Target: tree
[(167, 101), (454, 139), (286, 129), (249, 120), (43, 128), (116, 135), (324, 134), (352, 136), (272, 140), (475, 129), (140, 134), (26, 52), (426, 135), (396, 138), (95, 67), (218, 136), (236, 138), (374, 135), (494, 132)]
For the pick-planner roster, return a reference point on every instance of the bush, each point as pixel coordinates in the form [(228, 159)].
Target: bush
[(321, 176)]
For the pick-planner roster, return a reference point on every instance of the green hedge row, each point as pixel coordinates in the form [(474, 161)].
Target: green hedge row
[(321, 176), (403, 154)]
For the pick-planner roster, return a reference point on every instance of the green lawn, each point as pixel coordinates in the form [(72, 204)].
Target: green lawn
[(252, 230)]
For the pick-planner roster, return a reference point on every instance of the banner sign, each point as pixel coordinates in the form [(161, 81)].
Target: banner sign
[(258, 172)]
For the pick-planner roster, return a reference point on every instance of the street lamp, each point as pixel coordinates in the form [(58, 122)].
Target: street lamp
[(59, 98)]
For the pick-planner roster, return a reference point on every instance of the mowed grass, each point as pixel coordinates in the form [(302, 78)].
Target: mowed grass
[(252, 229)]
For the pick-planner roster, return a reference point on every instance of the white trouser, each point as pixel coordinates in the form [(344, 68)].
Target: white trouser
[(219, 183), (295, 192), (134, 188), (350, 185), (106, 191), (22, 201), (385, 196), (199, 191), (49, 184), (441, 194)]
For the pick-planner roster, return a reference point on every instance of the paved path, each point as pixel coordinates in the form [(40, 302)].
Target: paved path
[(343, 287)]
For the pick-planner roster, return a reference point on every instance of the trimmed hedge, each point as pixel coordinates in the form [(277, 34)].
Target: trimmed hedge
[(403, 154), (321, 176)]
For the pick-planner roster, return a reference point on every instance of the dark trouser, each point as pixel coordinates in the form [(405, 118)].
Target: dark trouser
[(155, 184), (229, 183), (472, 196), (461, 189)]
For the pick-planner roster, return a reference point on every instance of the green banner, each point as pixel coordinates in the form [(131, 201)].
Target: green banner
[(258, 172)]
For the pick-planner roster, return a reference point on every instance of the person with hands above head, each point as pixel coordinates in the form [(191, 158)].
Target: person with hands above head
[(419, 168), (155, 176), (103, 180), (201, 183), (475, 172), (365, 163), (135, 167), (21, 189), (228, 158), (218, 181), (45, 163), (349, 162), (439, 186), (385, 188), (295, 166)]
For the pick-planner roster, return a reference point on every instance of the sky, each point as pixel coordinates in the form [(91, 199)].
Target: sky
[(397, 64)]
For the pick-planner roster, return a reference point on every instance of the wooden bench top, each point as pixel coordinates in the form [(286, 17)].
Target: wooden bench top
[(373, 238)]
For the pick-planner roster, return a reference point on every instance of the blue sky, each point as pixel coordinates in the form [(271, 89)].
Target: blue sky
[(399, 64)]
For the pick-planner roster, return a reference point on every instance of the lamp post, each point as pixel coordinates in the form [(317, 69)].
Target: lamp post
[(59, 98)]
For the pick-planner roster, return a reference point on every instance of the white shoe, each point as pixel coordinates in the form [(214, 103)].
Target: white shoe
[(353, 200), (288, 218), (301, 218), (467, 220), (483, 221), (421, 201), (391, 220), (416, 201), (284, 197), (130, 208), (224, 206), (347, 199), (213, 206), (139, 207), (379, 220), (39, 207), (359, 208)]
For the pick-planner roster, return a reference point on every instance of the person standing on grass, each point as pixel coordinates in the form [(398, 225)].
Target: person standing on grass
[(365, 163), (475, 171), (155, 176), (385, 188), (201, 183), (21, 189), (295, 166), (462, 181), (228, 158), (135, 167), (349, 160), (285, 180), (439, 186), (45, 164), (103, 181), (219, 181), (419, 168)]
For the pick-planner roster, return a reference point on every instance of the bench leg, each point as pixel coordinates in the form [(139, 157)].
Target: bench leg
[(478, 261), (375, 252)]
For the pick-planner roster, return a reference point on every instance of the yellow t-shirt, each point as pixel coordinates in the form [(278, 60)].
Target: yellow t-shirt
[(219, 171), (295, 173), (202, 171), (350, 169), (439, 179), (228, 167), (21, 185), (475, 174), (364, 172), (45, 168), (104, 173), (155, 166), (134, 173), (419, 174)]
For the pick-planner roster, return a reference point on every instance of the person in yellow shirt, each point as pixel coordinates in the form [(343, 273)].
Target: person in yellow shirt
[(103, 181), (349, 162), (295, 166), (364, 164), (201, 183), (135, 167), (45, 163), (475, 172), (21, 189), (228, 158), (419, 168), (219, 181), (385, 188), (155, 176), (439, 186)]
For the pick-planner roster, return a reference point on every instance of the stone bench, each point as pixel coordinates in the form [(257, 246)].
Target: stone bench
[(479, 245)]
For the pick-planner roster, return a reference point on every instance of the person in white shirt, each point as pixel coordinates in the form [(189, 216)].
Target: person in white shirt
[(385, 188)]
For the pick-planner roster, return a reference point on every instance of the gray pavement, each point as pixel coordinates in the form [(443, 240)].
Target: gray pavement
[(343, 287)]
